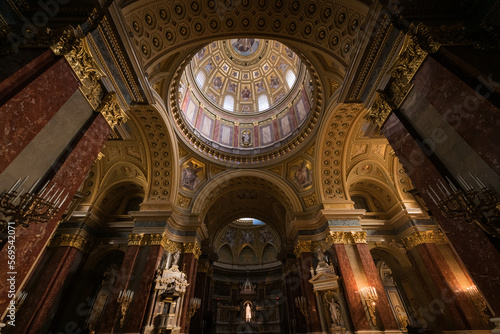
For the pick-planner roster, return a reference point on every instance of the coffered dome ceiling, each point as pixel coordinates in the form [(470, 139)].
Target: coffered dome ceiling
[(245, 97)]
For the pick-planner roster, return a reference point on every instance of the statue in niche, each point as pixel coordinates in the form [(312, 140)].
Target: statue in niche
[(248, 313), (246, 138), (189, 177), (335, 312), (303, 175), (177, 255)]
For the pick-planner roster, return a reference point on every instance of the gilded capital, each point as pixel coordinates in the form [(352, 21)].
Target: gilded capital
[(337, 238), (303, 247), (71, 240), (111, 110), (380, 110), (192, 248), (418, 238), (358, 237), (76, 52)]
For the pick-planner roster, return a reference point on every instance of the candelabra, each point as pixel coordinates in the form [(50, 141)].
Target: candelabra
[(481, 207), (19, 300), (370, 296), (194, 304), (124, 299), (478, 302), (301, 304), (25, 207)]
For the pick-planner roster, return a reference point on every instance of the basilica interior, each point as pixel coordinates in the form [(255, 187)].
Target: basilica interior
[(238, 166)]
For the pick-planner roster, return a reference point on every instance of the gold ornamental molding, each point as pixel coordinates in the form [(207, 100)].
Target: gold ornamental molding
[(192, 248), (346, 238), (418, 238), (303, 247), (154, 239), (111, 110), (80, 59), (75, 50), (420, 44), (71, 240)]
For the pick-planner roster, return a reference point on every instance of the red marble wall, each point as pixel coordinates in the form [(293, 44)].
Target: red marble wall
[(30, 98), (373, 279), (475, 250), (356, 308), (31, 242)]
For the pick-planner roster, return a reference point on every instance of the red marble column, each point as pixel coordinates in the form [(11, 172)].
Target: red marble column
[(464, 108), (30, 242), (475, 250), (29, 99), (62, 261), (462, 301), (190, 266), (111, 316), (305, 261), (446, 296), (144, 279), (354, 302), (373, 279)]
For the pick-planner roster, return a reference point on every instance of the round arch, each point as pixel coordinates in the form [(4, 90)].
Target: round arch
[(226, 181)]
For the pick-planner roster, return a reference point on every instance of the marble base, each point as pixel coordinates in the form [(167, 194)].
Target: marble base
[(496, 321)]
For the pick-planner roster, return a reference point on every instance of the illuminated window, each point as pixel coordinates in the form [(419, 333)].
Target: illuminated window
[(290, 78), (200, 78), (263, 102), (229, 103)]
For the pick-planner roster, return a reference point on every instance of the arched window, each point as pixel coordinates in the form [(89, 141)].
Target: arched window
[(263, 102), (229, 103), (290, 78), (200, 78)]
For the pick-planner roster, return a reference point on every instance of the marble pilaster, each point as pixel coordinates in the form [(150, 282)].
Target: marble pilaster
[(373, 279), (354, 302)]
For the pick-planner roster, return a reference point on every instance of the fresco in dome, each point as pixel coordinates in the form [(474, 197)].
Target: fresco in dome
[(217, 84), (231, 87), (245, 46), (245, 93), (274, 82), (260, 86)]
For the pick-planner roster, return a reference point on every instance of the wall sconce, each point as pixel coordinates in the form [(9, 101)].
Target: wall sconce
[(25, 207), (478, 301), (194, 304), (481, 207), (370, 296), (301, 304), (124, 299)]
